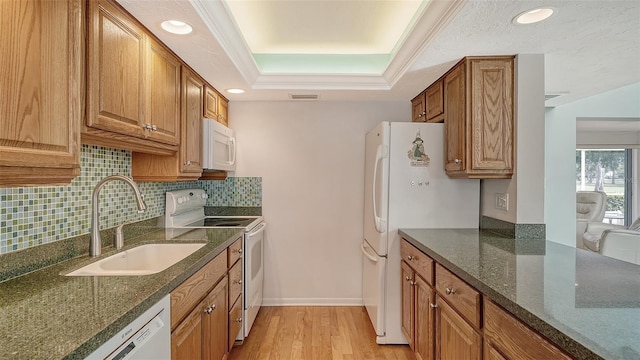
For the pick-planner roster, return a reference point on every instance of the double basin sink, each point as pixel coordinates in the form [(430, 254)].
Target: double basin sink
[(140, 260)]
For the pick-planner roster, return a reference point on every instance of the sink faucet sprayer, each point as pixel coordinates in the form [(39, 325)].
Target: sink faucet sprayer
[(95, 245)]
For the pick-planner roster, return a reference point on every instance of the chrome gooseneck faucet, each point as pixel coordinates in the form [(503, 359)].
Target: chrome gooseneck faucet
[(95, 245)]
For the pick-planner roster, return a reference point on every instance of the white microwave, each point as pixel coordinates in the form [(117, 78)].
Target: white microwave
[(218, 146)]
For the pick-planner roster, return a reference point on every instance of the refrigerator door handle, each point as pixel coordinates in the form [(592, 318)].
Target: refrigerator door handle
[(366, 253), (378, 221)]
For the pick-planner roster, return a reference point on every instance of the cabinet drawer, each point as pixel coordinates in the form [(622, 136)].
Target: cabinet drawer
[(420, 262), (190, 292), (462, 297), (235, 251), (235, 321), (513, 338), (235, 282)]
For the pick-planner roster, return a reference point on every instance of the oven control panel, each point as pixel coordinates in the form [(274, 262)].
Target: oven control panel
[(181, 201)]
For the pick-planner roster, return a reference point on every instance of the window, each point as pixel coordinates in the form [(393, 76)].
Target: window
[(609, 171)]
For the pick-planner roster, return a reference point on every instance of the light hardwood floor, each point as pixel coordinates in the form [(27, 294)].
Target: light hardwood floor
[(315, 333)]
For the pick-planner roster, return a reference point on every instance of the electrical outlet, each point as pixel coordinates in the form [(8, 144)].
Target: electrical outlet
[(502, 201)]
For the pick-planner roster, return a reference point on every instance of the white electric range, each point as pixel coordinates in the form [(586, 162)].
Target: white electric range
[(185, 212)]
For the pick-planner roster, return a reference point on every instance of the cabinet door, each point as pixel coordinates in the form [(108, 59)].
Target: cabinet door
[(491, 353), (408, 303), (223, 110), (40, 83), (186, 339), (455, 339), (116, 75), (164, 94), (509, 338), (491, 105), (418, 108), (215, 322), (191, 145), (454, 108), (210, 103), (424, 320), (434, 96)]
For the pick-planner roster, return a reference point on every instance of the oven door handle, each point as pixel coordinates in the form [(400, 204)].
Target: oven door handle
[(259, 230)]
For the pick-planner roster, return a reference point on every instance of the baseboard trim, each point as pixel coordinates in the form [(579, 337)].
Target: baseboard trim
[(311, 302)]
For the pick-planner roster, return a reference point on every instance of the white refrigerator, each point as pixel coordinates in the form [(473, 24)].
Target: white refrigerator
[(405, 187)]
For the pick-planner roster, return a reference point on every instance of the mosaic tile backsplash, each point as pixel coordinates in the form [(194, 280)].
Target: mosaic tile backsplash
[(31, 216)]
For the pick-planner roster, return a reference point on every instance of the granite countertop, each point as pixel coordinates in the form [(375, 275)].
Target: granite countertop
[(587, 304), (46, 315)]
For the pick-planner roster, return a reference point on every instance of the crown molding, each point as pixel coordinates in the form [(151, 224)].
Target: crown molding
[(217, 17), (435, 17), (219, 21)]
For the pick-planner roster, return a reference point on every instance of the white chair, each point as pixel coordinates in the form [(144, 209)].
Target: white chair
[(590, 207), (615, 241)]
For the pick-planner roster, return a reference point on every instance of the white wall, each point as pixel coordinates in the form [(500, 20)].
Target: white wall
[(560, 198), (526, 188), (310, 156)]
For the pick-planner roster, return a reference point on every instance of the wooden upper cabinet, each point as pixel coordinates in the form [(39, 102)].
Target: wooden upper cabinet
[(455, 141), (223, 110), (478, 111), (191, 145), (186, 163), (418, 112), (164, 94), (116, 70), (434, 97), (41, 85), (128, 75), (210, 103)]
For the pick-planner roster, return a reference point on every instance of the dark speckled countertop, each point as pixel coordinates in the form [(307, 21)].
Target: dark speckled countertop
[(589, 305), (46, 315)]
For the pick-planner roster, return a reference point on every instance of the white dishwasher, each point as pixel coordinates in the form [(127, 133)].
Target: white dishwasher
[(147, 337)]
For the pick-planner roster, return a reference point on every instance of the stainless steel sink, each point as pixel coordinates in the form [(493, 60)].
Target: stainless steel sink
[(141, 260)]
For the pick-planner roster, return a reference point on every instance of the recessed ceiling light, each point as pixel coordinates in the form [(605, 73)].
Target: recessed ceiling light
[(533, 16), (235, 91), (176, 27)]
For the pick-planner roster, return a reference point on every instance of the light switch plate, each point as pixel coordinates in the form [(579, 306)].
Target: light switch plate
[(502, 201)]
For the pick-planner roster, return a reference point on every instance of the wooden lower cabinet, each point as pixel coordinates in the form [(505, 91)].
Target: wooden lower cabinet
[(203, 318), (418, 316), (445, 318), (424, 320), (408, 304), (507, 338), (455, 338), (203, 333)]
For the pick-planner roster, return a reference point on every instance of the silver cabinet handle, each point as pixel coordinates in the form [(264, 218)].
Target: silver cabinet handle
[(239, 251), (210, 309), (239, 320), (433, 306), (154, 128), (410, 258), (450, 291), (239, 282), (407, 278), (457, 161), (412, 283), (187, 163)]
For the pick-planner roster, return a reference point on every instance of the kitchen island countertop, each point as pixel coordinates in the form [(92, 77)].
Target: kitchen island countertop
[(46, 315), (587, 304)]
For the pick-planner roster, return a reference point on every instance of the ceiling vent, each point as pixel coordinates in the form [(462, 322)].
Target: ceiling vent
[(304, 96)]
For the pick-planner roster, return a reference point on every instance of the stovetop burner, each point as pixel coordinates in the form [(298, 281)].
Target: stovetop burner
[(222, 222)]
